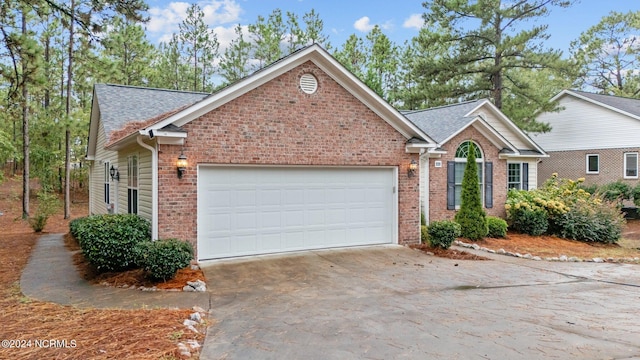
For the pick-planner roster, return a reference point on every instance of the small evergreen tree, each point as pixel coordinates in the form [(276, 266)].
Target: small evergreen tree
[(471, 217)]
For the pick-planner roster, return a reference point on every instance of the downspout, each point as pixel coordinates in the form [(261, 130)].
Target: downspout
[(154, 186)]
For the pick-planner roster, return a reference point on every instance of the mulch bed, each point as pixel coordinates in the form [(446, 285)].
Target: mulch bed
[(448, 253), (80, 333), (134, 277)]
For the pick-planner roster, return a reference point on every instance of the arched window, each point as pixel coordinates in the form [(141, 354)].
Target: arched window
[(460, 162)]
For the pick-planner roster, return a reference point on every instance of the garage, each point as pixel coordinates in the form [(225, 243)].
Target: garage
[(252, 210)]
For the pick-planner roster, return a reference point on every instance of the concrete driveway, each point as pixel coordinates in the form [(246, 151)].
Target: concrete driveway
[(392, 302)]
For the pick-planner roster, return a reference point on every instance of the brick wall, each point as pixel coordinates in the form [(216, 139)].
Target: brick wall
[(573, 165), (438, 176), (278, 124)]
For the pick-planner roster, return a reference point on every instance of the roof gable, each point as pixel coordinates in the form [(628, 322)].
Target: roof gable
[(328, 65), (444, 122), (623, 105)]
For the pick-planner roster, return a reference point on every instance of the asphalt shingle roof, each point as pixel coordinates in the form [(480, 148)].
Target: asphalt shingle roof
[(632, 106), (442, 122), (120, 104)]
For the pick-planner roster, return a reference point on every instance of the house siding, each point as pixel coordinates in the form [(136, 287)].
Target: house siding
[(278, 124), (572, 165), (438, 176), (582, 125), (144, 181), (502, 128), (97, 205)]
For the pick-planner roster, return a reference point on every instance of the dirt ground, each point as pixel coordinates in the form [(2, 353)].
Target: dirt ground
[(85, 333)]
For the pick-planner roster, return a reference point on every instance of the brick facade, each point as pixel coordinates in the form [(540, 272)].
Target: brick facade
[(573, 165), (438, 176), (279, 124)]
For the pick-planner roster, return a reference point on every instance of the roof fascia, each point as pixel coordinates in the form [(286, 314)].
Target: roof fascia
[(94, 120)]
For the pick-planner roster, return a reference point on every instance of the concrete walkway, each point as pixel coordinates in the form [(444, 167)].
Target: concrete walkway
[(51, 276)]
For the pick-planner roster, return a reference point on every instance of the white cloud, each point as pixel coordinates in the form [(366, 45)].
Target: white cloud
[(163, 22), (363, 24), (414, 21)]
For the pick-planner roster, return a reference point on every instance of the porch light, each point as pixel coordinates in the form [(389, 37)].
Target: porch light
[(181, 164), (413, 166), (115, 174)]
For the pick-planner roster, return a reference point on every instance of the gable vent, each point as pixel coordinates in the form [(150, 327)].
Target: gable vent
[(308, 83)]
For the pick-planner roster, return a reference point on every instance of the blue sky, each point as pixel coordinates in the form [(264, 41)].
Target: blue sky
[(399, 19)]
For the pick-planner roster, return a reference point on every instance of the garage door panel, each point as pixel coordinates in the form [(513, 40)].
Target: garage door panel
[(258, 210)]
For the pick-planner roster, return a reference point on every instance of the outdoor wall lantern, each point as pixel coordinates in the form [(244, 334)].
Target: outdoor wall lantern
[(115, 174), (413, 166), (182, 165)]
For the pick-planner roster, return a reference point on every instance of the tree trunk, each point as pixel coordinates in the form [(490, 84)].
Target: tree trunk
[(67, 130), (496, 77), (25, 129)]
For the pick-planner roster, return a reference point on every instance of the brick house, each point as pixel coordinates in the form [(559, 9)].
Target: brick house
[(593, 137), (299, 155), (507, 158)]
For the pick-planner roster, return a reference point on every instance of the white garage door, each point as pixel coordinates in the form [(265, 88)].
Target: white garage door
[(261, 210)]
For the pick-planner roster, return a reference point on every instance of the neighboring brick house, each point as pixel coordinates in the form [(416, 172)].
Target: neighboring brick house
[(299, 155), (593, 137), (507, 157)]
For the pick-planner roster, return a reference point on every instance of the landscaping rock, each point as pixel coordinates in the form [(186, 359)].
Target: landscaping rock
[(198, 285), (527, 256), (188, 322), (501, 251), (184, 350), (563, 258), (536, 258), (194, 344), (196, 317), (598, 260)]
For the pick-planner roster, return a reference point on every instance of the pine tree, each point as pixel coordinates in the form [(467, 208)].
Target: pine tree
[(471, 217)]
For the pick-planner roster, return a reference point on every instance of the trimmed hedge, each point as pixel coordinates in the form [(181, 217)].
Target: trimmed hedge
[(108, 242), (163, 258), (443, 233), (497, 227)]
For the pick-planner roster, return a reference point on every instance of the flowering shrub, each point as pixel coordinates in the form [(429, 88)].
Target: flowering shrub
[(563, 207)]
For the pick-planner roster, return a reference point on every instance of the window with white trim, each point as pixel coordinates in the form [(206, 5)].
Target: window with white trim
[(460, 163), (514, 176), (132, 184), (593, 163), (107, 182), (631, 165)]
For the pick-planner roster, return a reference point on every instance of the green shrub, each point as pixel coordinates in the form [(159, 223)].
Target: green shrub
[(423, 219), (163, 258), (471, 216), (636, 195), (583, 222), (48, 204), (591, 189), (497, 227), (108, 241), (443, 233), (424, 234), (529, 221), (615, 191)]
